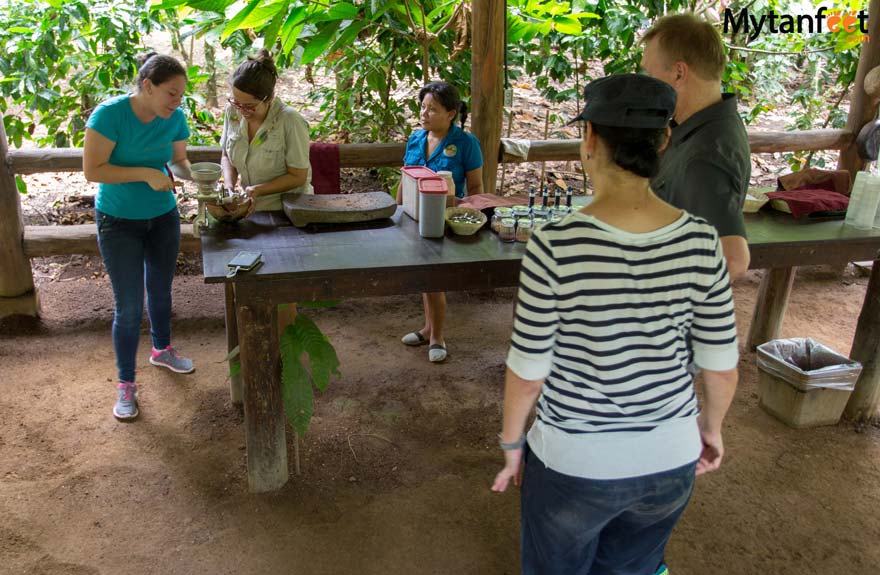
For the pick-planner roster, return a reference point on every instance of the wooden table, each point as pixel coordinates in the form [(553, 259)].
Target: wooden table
[(389, 259)]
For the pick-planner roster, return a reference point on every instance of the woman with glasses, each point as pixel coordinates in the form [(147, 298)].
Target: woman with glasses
[(130, 142), (616, 303), (442, 146), (265, 143)]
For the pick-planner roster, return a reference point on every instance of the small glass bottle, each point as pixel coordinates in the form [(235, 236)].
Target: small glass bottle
[(523, 230), (521, 213), (568, 198), (545, 198), (497, 215), (538, 221), (507, 231), (540, 213), (531, 197)]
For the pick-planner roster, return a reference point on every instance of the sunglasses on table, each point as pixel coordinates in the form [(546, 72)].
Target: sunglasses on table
[(244, 107)]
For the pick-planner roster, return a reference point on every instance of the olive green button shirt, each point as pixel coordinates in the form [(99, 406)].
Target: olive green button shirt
[(705, 170), (281, 142)]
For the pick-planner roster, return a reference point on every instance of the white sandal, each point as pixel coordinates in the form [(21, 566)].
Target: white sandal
[(414, 338), (437, 353)]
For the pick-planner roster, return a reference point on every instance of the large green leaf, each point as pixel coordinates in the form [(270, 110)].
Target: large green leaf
[(322, 355), (567, 25), (236, 21), (319, 42), (296, 385), (348, 35), (259, 16), (20, 184), (218, 6), (270, 32), (342, 11)]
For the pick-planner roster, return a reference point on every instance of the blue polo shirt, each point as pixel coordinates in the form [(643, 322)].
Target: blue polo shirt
[(459, 153), (137, 145)]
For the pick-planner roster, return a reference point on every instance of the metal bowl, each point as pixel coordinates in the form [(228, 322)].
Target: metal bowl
[(206, 172)]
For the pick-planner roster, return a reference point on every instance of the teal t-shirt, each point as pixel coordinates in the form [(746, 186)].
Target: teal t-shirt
[(137, 145)]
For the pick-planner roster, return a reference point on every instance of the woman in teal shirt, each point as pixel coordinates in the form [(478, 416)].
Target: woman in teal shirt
[(129, 142), (442, 146)]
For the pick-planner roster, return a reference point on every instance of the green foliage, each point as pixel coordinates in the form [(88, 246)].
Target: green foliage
[(61, 58), (20, 184), (304, 338), (813, 71)]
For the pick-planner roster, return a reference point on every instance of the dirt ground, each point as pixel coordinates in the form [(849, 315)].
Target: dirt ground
[(398, 461)]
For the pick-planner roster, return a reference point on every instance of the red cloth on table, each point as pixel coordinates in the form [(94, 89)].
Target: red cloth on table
[(804, 202), (813, 178), (324, 159), (486, 201)]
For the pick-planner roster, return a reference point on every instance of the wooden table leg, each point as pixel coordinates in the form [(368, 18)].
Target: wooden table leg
[(771, 305), (263, 408), (865, 399), (231, 342)]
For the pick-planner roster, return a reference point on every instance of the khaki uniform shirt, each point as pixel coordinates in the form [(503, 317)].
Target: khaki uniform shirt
[(281, 142)]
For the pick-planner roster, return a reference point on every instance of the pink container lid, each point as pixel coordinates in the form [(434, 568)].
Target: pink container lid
[(434, 185), (419, 172)]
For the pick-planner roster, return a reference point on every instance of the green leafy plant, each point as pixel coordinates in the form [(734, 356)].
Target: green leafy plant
[(62, 57), (302, 340)]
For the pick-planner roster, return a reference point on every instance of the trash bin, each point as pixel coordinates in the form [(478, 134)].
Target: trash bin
[(803, 383)]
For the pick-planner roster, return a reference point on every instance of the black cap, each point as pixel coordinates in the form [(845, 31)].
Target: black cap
[(628, 101)]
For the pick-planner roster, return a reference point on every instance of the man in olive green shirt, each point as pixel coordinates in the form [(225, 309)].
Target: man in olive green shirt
[(706, 167)]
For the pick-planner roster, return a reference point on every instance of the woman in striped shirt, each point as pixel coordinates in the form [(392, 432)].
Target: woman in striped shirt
[(616, 303)]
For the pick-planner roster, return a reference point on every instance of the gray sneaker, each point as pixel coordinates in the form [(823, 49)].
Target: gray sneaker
[(169, 358), (126, 408)]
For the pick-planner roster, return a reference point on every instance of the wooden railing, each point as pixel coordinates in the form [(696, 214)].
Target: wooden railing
[(19, 242)]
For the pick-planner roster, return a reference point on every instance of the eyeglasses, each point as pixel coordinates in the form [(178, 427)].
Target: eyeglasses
[(245, 107)]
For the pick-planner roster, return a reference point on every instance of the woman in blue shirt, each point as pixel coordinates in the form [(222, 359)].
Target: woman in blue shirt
[(442, 146), (130, 140)]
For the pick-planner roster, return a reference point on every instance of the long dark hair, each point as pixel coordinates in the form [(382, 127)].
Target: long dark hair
[(633, 149), (447, 95), (158, 68), (256, 76)]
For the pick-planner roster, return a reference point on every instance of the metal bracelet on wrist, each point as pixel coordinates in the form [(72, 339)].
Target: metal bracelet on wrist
[(518, 444)]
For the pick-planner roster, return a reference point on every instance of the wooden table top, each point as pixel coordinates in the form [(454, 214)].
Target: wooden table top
[(391, 257)]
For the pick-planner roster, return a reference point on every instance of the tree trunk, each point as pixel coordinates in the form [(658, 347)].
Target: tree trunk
[(860, 110), (487, 97), (770, 306), (865, 399), (210, 68), (17, 293)]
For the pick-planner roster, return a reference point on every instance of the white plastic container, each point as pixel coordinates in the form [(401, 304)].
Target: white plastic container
[(410, 177), (863, 201), (450, 185), (432, 207)]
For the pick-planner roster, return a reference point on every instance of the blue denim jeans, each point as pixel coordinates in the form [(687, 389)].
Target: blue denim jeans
[(577, 526), (138, 254)]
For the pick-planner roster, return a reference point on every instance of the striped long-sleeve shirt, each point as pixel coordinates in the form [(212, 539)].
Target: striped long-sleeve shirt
[(613, 321)]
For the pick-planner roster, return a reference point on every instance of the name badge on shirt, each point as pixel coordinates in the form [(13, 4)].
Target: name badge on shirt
[(450, 151)]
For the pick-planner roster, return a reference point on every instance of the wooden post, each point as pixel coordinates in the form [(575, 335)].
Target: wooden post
[(771, 305), (487, 90), (865, 399), (232, 341), (263, 408), (17, 293), (860, 109)]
